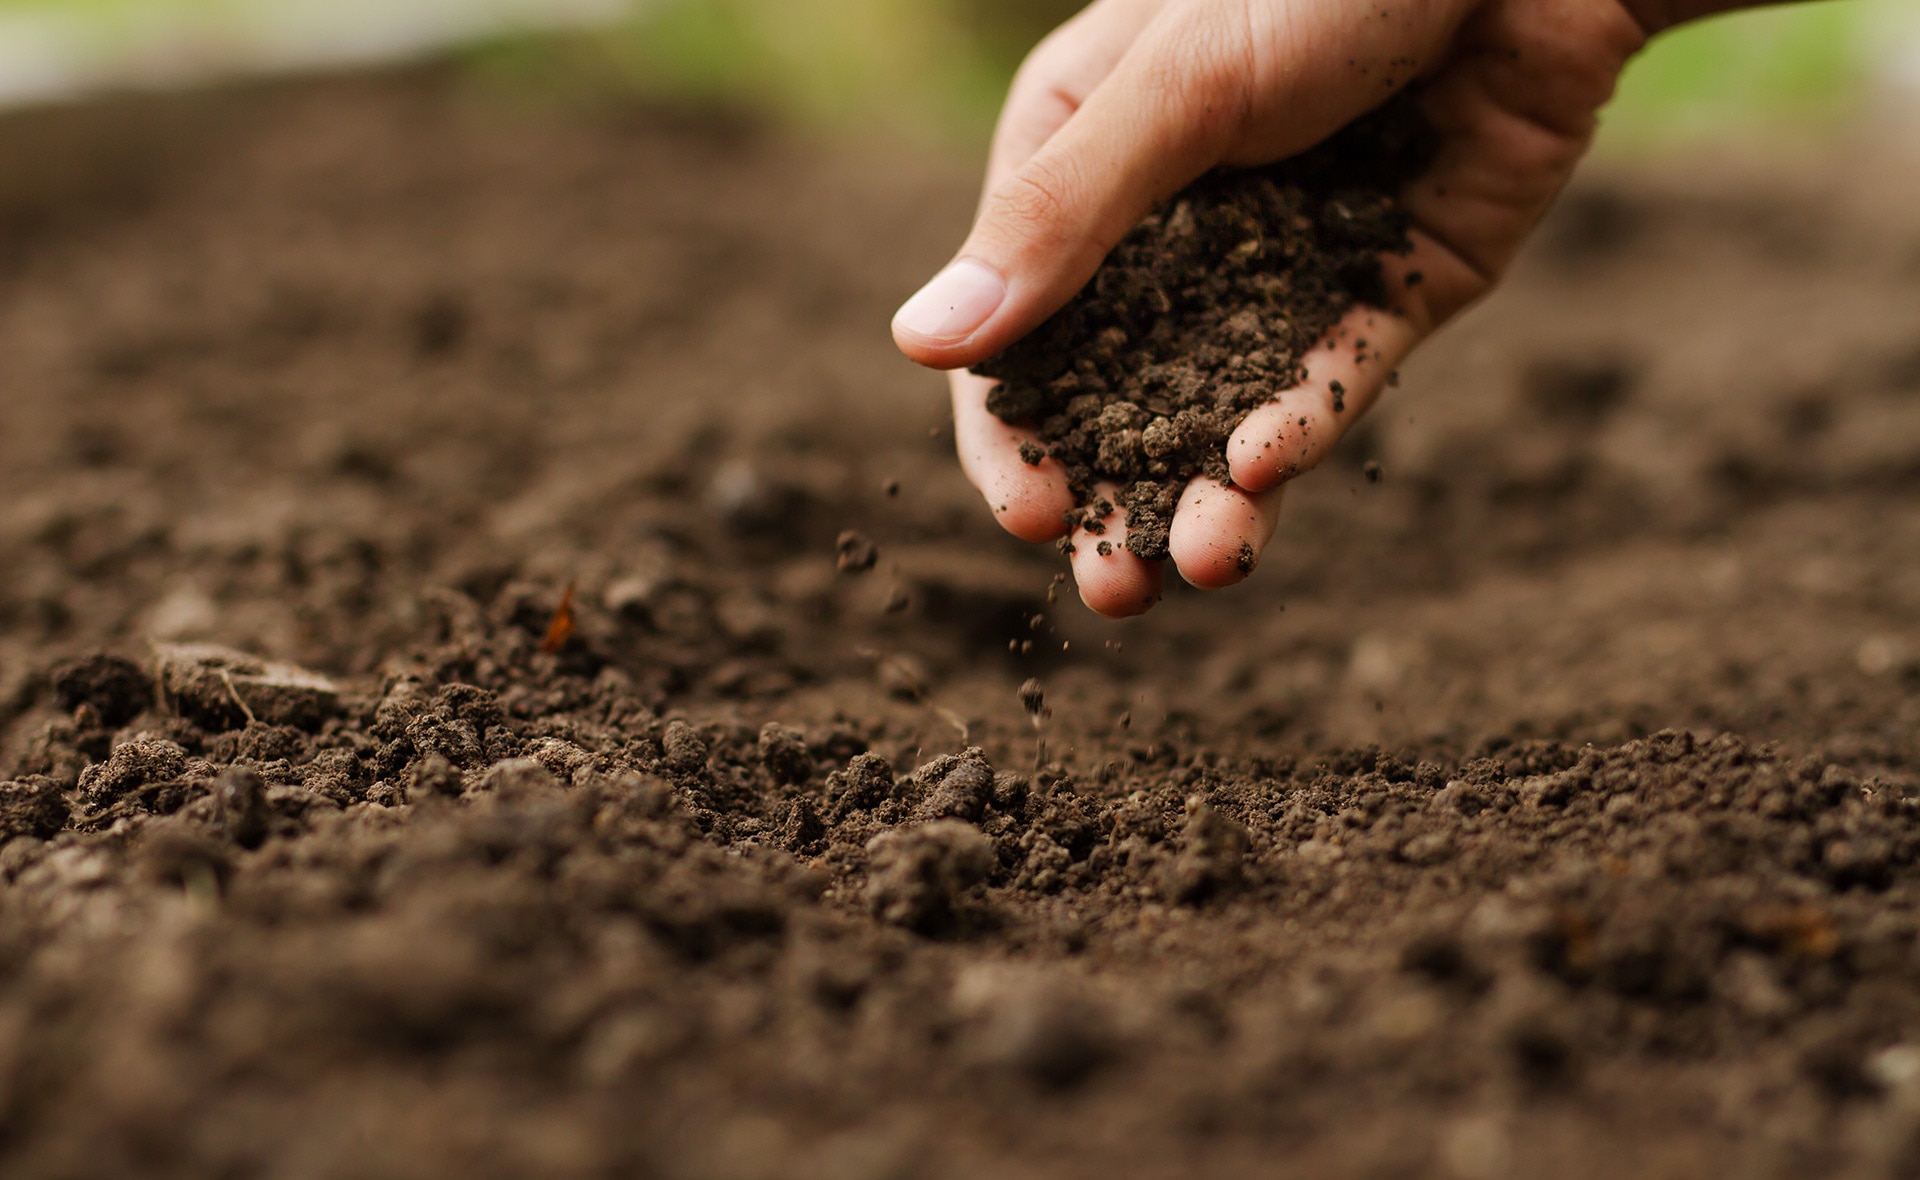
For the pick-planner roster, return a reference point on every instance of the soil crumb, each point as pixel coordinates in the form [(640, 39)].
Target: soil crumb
[(856, 554), (1202, 314)]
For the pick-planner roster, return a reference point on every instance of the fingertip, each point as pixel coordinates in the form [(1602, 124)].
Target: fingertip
[(944, 357), (1033, 510), (1119, 586), (1218, 533), (916, 352), (1345, 374), (939, 324), (1258, 457), (1208, 569), (1113, 580)]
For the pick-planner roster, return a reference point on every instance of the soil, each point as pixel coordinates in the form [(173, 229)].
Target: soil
[(1204, 313), (1544, 806)]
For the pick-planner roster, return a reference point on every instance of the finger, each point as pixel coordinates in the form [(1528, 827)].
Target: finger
[(1057, 77), (1029, 501), (1219, 532), (1164, 115), (1345, 375), (1112, 581)]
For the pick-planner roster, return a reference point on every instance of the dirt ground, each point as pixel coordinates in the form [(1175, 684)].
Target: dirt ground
[(1546, 807)]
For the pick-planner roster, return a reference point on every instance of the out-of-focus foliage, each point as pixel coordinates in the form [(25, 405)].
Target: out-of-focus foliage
[(942, 65), (917, 64), (949, 60), (1799, 64), (62, 49)]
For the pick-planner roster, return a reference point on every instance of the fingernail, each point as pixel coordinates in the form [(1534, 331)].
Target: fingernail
[(954, 305)]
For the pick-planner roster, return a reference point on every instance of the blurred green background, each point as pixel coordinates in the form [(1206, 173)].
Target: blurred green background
[(1795, 67), (923, 66)]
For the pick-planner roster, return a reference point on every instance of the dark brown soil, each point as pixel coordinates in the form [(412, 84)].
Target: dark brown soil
[(1203, 314), (1543, 808)]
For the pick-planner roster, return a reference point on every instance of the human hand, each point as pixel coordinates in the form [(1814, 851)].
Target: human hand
[(1132, 100)]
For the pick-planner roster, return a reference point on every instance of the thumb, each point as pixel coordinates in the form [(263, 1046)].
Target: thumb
[(1168, 112)]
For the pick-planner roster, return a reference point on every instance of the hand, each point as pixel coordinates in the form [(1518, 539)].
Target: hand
[(1131, 100)]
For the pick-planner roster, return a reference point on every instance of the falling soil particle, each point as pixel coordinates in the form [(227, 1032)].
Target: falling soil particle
[(561, 626), (1033, 698), (856, 554)]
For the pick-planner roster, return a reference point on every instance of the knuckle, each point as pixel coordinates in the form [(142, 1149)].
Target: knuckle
[(1034, 207), (1208, 62), (1056, 76), (1051, 59)]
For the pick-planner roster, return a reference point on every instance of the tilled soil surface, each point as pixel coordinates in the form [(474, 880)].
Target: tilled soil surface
[(1546, 807)]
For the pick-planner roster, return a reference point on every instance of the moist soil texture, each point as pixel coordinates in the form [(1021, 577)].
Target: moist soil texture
[(501, 676), (1202, 314)]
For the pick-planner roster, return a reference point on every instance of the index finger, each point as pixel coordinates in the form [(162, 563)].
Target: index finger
[(1059, 75)]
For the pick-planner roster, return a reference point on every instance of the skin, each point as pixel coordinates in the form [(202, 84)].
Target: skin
[(1131, 100)]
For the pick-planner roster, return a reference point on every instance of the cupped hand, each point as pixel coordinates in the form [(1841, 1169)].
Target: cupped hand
[(1134, 99)]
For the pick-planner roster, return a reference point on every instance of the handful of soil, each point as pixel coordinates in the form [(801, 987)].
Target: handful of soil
[(1203, 313)]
